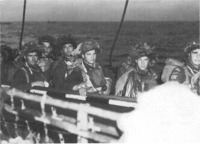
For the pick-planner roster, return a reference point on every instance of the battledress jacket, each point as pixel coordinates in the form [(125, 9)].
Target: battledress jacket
[(97, 78), (188, 75), (6, 69), (65, 78), (25, 75), (135, 81)]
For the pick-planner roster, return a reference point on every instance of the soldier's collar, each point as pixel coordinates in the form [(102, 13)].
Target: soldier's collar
[(192, 67), (88, 65)]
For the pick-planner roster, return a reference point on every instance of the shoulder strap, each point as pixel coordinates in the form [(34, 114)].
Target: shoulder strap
[(187, 75), (194, 78), (26, 74), (130, 90), (121, 82), (55, 64)]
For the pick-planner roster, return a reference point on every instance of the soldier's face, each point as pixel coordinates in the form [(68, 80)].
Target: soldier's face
[(32, 58), (68, 49), (142, 62), (195, 57), (47, 48), (90, 56)]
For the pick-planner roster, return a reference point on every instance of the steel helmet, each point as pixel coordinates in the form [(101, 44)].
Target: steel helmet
[(31, 47), (90, 45), (141, 49), (191, 46)]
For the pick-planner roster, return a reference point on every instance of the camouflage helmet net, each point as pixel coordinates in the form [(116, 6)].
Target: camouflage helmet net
[(191, 46), (31, 47), (141, 49)]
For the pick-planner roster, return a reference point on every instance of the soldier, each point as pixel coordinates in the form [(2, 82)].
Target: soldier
[(49, 54), (4, 60), (141, 77), (94, 76), (48, 44), (125, 66), (29, 74), (7, 64), (189, 74), (65, 73)]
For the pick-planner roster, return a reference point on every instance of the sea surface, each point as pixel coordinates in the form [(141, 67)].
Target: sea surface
[(169, 38)]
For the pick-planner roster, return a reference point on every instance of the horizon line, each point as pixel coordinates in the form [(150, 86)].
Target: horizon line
[(54, 21)]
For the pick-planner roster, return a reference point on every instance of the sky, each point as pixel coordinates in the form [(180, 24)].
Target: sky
[(100, 10)]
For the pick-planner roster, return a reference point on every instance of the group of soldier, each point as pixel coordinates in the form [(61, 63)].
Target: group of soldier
[(67, 66), (138, 75)]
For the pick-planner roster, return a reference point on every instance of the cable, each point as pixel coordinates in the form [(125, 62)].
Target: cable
[(22, 31), (117, 34)]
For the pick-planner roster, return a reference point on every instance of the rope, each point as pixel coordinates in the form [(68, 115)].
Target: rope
[(116, 37), (22, 31)]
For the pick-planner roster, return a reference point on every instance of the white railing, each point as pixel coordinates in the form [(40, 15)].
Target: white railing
[(83, 125)]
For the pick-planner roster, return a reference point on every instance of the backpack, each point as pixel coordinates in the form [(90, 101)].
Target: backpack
[(171, 64), (11, 72)]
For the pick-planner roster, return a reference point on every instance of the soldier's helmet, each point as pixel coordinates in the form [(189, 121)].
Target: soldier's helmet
[(140, 50), (191, 46), (90, 45), (31, 47), (47, 38), (6, 53)]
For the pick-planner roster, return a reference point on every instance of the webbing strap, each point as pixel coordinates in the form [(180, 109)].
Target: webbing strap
[(26, 74)]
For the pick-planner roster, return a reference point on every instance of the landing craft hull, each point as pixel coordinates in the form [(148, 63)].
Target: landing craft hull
[(74, 119)]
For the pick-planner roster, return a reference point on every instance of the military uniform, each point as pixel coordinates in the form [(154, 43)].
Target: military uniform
[(65, 77), (25, 75), (189, 74), (134, 80), (185, 75), (95, 79), (4, 73), (50, 53), (127, 65), (44, 64), (28, 72), (7, 72), (138, 81)]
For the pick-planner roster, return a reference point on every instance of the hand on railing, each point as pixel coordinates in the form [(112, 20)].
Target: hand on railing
[(82, 92), (38, 83)]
